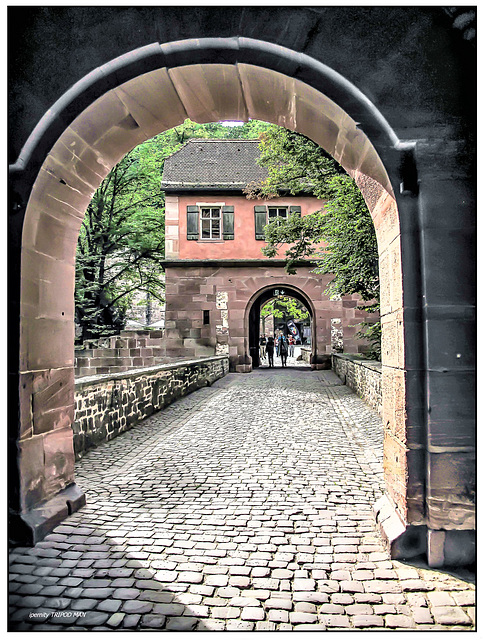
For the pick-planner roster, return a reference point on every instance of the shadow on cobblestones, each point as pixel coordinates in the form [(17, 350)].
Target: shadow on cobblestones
[(244, 506), (462, 573)]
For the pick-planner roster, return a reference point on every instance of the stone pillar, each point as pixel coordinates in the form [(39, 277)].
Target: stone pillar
[(44, 449), (428, 360), (386, 222), (447, 215), (400, 512)]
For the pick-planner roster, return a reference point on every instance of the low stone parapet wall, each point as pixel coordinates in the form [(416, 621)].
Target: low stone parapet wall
[(107, 405), (129, 350), (362, 376)]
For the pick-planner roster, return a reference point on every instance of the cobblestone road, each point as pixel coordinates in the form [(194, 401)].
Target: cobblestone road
[(244, 506)]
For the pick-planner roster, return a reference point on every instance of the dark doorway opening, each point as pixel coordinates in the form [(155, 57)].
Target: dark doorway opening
[(254, 317)]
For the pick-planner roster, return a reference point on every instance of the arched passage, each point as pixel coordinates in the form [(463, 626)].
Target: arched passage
[(127, 101), (135, 110), (252, 315)]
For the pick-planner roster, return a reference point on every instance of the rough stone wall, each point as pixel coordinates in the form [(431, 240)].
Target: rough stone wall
[(108, 405), (362, 376), (306, 352), (225, 290), (129, 350)]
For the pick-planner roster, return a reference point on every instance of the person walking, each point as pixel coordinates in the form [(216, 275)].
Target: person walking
[(263, 343), (283, 349), (269, 349), (291, 346)]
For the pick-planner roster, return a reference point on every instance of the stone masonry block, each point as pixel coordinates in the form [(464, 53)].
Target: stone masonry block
[(416, 486), (46, 344), (32, 476), (52, 400), (460, 547), (59, 460), (451, 481), (446, 272), (392, 347), (448, 398), (436, 548), (386, 220), (394, 401), (395, 470)]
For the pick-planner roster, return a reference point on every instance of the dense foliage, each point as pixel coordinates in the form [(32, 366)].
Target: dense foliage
[(340, 236), (295, 165), (121, 241), (120, 245), (284, 307)]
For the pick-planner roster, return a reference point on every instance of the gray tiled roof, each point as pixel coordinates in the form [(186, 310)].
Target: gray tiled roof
[(210, 164)]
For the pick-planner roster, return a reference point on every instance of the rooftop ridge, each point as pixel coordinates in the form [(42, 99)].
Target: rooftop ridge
[(257, 140)]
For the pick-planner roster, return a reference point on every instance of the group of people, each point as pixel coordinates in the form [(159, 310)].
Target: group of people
[(282, 346)]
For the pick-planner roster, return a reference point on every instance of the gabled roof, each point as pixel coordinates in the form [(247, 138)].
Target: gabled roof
[(213, 164)]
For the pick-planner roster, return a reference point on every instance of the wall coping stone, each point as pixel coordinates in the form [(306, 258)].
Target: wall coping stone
[(374, 365), (80, 383)]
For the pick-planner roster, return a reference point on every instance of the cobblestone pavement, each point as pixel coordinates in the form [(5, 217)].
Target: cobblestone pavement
[(244, 506)]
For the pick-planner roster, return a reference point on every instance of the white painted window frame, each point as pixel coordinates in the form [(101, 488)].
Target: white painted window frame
[(210, 205)]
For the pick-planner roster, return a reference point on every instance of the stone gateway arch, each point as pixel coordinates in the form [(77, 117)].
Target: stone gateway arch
[(389, 92)]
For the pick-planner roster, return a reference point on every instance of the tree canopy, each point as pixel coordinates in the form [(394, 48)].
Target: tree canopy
[(120, 245), (284, 307), (340, 236), (295, 165)]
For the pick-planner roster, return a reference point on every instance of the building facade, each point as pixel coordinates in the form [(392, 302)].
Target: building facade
[(217, 278)]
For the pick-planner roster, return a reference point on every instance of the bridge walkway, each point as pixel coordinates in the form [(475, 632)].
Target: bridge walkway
[(244, 506)]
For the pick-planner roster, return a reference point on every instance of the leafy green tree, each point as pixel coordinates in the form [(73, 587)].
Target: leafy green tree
[(283, 307), (250, 130), (119, 247), (295, 165), (340, 235)]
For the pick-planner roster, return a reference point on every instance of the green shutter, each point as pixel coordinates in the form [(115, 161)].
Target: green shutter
[(260, 221), (296, 209), (228, 222), (192, 222)]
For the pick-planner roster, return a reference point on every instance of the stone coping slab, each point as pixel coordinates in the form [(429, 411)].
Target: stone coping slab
[(374, 365), (80, 383)]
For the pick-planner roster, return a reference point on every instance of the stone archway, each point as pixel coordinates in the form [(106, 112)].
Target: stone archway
[(127, 101), (252, 317), (109, 127)]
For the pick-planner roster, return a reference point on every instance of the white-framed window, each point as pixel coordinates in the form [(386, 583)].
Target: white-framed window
[(210, 222), (277, 213)]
